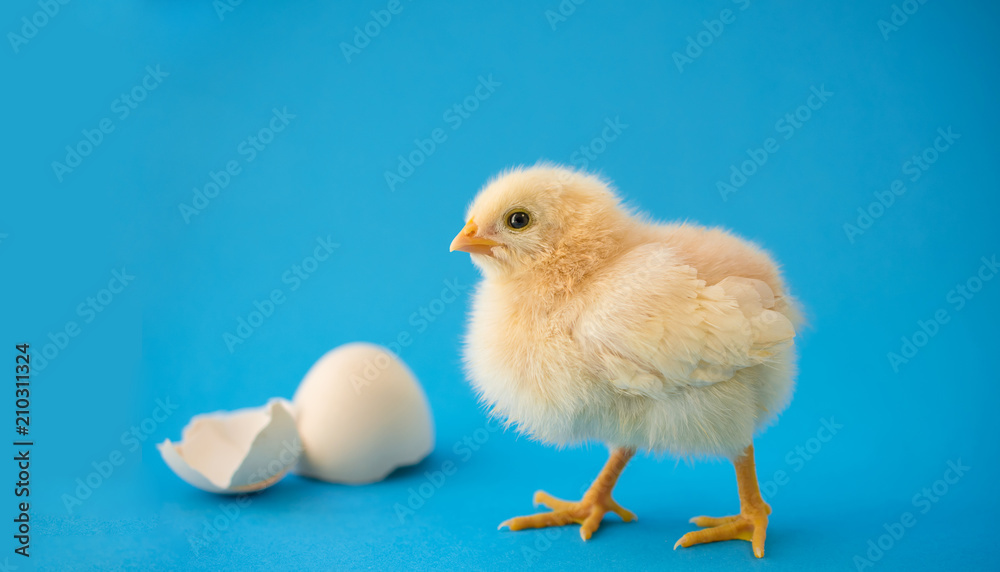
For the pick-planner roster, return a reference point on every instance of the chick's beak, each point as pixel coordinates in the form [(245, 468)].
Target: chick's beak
[(467, 241)]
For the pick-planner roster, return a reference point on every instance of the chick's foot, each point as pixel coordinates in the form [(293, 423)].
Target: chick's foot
[(588, 513), (750, 525)]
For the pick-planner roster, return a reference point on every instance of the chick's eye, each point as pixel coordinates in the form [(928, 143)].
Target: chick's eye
[(518, 220)]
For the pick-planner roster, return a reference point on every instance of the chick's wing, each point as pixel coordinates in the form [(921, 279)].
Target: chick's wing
[(648, 325)]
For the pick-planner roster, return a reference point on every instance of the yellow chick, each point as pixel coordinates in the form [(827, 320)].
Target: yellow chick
[(594, 323)]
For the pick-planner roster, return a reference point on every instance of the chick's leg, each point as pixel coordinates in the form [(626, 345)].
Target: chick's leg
[(750, 524), (589, 511)]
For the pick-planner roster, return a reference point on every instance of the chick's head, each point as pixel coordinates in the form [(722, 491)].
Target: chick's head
[(528, 217)]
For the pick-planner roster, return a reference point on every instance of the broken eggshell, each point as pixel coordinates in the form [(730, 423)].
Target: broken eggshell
[(235, 452), (361, 414)]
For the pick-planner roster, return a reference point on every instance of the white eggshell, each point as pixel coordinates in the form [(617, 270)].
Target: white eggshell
[(234, 452), (361, 413)]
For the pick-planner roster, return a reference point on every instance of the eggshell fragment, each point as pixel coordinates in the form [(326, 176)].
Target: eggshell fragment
[(361, 413), (238, 451)]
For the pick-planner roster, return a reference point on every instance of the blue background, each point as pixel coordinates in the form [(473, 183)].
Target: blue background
[(324, 175)]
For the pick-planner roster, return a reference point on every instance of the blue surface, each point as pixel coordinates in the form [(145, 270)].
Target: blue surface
[(221, 78)]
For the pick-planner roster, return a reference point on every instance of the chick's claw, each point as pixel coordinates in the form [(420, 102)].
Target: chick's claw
[(588, 513)]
